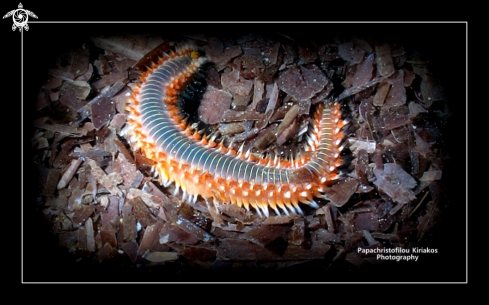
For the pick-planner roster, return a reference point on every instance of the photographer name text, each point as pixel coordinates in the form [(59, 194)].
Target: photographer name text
[(397, 253)]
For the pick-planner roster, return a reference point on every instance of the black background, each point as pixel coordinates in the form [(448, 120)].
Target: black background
[(41, 260)]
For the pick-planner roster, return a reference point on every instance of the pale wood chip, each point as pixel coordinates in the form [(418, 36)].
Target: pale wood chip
[(108, 181), (69, 173), (131, 46), (90, 234), (158, 257), (66, 129), (150, 200)]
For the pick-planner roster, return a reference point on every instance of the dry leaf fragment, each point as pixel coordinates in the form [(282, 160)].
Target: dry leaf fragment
[(356, 145), (302, 82), (150, 200), (108, 236), (110, 182), (150, 235), (340, 193), (325, 236), (82, 213), (298, 232), (431, 88), (238, 249), (364, 71), (222, 58), (79, 89), (307, 52), (198, 253), (51, 177), (141, 211), (385, 63), (397, 92), (90, 235), (431, 175), (213, 105), (415, 109), (128, 224), (69, 130), (131, 249), (158, 257), (69, 173), (191, 228), (234, 83), (273, 237), (395, 182), (381, 93), (102, 112), (131, 46)]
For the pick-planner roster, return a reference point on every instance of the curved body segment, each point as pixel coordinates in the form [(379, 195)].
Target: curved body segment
[(199, 166)]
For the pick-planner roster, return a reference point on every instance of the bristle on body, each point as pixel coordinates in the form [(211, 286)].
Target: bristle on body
[(198, 165)]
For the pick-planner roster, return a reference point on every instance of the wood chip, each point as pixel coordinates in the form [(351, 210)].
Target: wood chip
[(302, 83), (69, 130), (213, 105), (297, 234), (191, 228), (385, 64), (69, 173), (151, 234), (102, 112), (397, 92), (307, 52), (364, 71), (395, 182), (108, 236), (110, 182), (148, 199), (198, 253), (131, 249), (128, 225), (381, 93), (158, 257), (82, 213), (431, 175), (79, 89), (431, 88), (340, 193), (140, 210), (90, 235), (131, 46), (51, 182), (235, 84)]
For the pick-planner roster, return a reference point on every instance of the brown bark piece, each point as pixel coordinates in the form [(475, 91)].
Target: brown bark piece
[(385, 63), (395, 182), (140, 210), (110, 182), (131, 46), (302, 83), (83, 213), (236, 84), (397, 92), (102, 112), (340, 193), (213, 105), (364, 71), (381, 94), (127, 225)]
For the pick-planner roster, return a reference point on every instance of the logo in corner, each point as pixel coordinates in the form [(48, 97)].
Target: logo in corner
[(20, 17)]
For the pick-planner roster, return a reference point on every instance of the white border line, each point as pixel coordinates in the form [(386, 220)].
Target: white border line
[(235, 22)]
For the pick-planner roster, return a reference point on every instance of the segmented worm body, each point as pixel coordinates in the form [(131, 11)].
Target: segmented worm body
[(221, 175)]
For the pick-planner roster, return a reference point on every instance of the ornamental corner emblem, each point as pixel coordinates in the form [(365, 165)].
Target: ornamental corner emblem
[(20, 17)]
